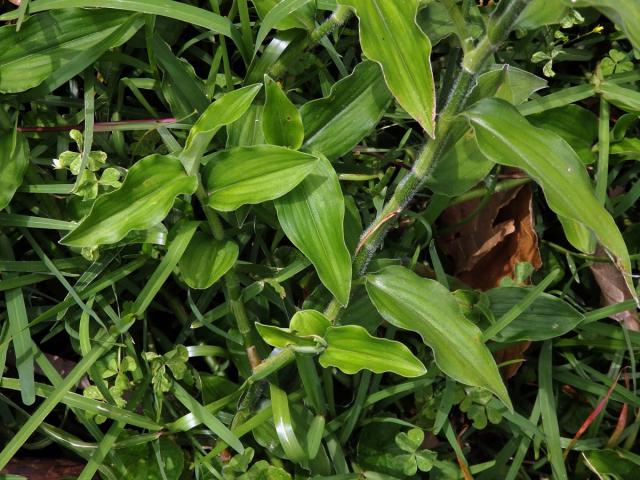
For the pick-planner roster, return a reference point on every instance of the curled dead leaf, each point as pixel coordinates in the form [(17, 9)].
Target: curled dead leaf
[(614, 290)]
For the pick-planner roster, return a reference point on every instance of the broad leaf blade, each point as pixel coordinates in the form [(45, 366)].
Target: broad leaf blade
[(547, 317), (309, 322), (281, 122), (224, 111), (506, 137), (424, 306), (312, 217), (51, 42), (390, 35), (350, 348), (251, 175), (335, 124), (206, 260), (145, 198), (14, 160)]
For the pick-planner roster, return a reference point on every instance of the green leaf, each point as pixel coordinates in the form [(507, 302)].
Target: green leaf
[(247, 130), (335, 124), (168, 8), (250, 175), (611, 464), (281, 122), (547, 317), (141, 461), (576, 125), (206, 260), (541, 12), (227, 109), (390, 36), (507, 82), (52, 42), (312, 217), (14, 160), (350, 348), (624, 98), (187, 90), (279, 12), (625, 13), (283, 337), (506, 137), (145, 198), (424, 306), (309, 322), (300, 18), (206, 417)]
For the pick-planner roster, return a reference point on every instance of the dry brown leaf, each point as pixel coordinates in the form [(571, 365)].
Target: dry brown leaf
[(44, 468), (614, 290), (487, 248)]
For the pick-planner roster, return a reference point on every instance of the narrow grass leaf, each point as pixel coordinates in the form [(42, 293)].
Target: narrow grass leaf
[(204, 416), (548, 411), (168, 8), (102, 343), (19, 330), (281, 11), (284, 425), (183, 232), (30, 56)]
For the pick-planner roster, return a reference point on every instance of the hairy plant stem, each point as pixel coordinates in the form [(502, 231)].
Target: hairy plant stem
[(498, 29)]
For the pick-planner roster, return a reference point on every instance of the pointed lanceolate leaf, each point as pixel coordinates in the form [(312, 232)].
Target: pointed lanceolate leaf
[(227, 109), (55, 41), (333, 125), (14, 160), (206, 260), (250, 175), (625, 13), (390, 35), (312, 217), (281, 121), (145, 198), (350, 348), (424, 306), (506, 137)]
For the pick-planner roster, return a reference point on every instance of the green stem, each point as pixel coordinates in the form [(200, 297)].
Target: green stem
[(497, 30), (481, 192), (459, 23), (337, 18), (602, 171)]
